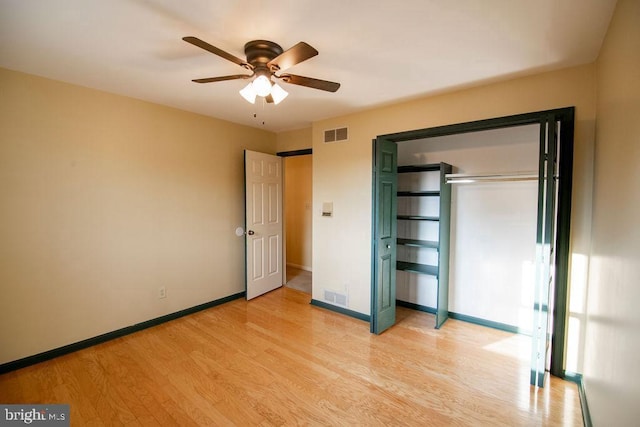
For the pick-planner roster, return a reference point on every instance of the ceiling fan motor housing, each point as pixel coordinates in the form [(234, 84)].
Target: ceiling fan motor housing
[(261, 52)]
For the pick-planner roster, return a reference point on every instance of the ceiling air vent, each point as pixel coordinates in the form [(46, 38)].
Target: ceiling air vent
[(336, 135)]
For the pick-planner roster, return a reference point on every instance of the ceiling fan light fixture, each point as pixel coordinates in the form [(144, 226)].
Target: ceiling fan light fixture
[(249, 93), (262, 85), (278, 94), (264, 59)]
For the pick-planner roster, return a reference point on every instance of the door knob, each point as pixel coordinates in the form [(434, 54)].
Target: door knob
[(250, 233), (388, 246)]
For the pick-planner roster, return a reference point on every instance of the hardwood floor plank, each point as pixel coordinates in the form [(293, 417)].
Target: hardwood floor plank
[(277, 360), (72, 390)]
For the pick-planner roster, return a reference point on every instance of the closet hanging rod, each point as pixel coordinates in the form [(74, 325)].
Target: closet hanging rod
[(463, 178)]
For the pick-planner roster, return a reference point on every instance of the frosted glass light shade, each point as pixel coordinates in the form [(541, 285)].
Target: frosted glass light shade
[(262, 85), (278, 94), (249, 93)]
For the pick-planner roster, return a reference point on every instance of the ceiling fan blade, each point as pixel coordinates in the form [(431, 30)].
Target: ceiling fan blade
[(310, 82), (222, 78), (221, 53), (290, 57)]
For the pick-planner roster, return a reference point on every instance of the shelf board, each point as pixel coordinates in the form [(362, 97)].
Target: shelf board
[(419, 168), (418, 218), (434, 193), (412, 267), (418, 243)]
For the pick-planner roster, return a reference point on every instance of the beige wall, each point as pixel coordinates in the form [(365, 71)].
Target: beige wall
[(104, 200), (297, 210), (612, 355), (342, 171), (293, 140)]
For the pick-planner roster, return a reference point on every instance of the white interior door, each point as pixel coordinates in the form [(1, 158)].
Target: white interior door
[(263, 205)]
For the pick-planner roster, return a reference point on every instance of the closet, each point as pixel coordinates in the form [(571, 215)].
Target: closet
[(509, 238), (491, 239)]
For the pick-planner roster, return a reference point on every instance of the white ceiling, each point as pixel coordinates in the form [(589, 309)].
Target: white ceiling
[(380, 51)]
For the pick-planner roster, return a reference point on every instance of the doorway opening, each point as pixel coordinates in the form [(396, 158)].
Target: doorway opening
[(297, 209)]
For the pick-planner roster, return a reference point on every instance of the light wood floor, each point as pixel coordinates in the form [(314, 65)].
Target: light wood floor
[(277, 360)]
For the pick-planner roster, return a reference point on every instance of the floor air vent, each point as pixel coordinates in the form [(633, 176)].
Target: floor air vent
[(336, 135)]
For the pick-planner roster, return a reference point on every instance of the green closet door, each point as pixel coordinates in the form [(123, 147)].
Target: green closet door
[(383, 275), (545, 251)]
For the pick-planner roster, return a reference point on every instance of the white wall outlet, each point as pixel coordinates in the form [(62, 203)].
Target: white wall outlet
[(162, 292)]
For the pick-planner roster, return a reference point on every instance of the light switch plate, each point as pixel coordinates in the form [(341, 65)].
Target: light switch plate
[(327, 209)]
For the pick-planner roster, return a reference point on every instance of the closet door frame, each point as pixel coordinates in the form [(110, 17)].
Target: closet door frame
[(565, 116)]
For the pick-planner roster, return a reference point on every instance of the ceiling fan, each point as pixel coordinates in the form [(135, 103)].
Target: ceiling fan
[(266, 59)]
